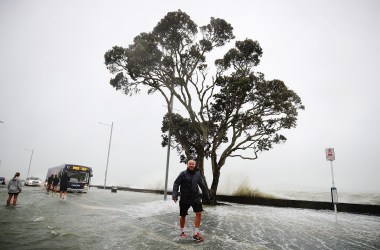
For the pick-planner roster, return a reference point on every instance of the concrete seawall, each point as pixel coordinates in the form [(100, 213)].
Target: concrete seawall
[(319, 205)]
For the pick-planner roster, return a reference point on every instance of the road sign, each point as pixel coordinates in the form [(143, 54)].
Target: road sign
[(330, 154)]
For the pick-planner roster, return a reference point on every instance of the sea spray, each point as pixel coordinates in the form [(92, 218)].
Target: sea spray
[(245, 190)]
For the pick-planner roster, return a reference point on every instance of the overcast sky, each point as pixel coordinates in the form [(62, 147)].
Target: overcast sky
[(54, 91)]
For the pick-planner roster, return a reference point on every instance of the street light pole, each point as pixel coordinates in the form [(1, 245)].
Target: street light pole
[(108, 156), (30, 162), (168, 152)]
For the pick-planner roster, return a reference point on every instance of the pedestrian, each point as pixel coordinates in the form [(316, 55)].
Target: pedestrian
[(55, 184), (64, 183), (188, 182), (14, 188), (49, 183)]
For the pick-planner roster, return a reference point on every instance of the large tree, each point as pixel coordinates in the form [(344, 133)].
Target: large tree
[(231, 110)]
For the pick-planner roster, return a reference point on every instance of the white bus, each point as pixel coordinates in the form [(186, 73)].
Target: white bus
[(80, 176)]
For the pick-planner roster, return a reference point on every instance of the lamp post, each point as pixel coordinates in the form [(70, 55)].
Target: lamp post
[(168, 152), (30, 162), (108, 156)]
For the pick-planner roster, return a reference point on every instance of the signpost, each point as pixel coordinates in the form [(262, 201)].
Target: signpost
[(330, 156)]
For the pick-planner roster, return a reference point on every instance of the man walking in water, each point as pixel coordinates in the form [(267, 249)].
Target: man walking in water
[(188, 182), (49, 184), (64, 183), (55, 184)]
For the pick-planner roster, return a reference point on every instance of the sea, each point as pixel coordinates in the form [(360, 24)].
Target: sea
[(343, 197)]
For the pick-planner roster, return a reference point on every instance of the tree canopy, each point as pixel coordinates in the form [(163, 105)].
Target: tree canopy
[(231, 110)]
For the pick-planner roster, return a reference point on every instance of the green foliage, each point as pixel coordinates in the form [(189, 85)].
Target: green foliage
[(242, 58), (185, 141), (174, 29), (218, 32)]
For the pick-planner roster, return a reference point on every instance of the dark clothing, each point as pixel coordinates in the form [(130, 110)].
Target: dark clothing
[(55, 181), (50, 180), (184, 207), (188, 182), (64, 182)]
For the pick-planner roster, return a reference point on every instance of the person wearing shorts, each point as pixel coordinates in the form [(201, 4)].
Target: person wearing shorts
[(188, 182), (63, 185), (55, 184), (49, 184)]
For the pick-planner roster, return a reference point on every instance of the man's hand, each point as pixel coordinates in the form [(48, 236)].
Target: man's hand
[(175, 198)]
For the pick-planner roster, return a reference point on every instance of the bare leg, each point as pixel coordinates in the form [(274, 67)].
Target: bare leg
[(182, 220), (15, 199), (198, 217), (9, 199)]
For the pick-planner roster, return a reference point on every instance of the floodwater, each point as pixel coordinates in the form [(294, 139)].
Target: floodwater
[(100, 219)]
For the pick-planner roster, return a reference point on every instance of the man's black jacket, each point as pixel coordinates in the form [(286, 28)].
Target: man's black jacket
[(188, 182)]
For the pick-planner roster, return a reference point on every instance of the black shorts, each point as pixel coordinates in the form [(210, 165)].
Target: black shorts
[(63, 188), (184, 207)]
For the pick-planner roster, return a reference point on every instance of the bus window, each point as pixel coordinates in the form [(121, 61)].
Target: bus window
[(84, 177), (73, 176), (78, 177)]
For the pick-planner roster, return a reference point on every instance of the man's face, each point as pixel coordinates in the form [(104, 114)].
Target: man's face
[(191, 165)]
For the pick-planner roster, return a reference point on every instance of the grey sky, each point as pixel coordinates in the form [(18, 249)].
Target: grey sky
[(54, 90)]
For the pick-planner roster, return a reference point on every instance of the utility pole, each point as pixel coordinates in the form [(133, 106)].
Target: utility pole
[(168, 152), (108, 156), (30, 162)]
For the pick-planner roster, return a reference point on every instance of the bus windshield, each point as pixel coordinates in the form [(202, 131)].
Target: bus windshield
[(78, 176)]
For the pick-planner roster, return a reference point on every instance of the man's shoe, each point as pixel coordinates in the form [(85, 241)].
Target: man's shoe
[(198, 237), (183, 235)]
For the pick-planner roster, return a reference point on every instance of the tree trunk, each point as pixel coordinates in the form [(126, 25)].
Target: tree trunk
[(215, 178), (200, 166), (214, 186), (200, 162), (216, 166)]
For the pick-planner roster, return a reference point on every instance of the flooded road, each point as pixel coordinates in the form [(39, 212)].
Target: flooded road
[(129, 220)]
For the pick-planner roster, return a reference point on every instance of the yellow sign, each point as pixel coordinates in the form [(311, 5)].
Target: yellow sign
[(80, 168)]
